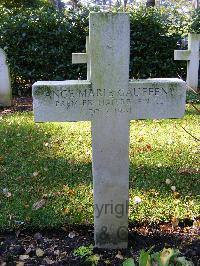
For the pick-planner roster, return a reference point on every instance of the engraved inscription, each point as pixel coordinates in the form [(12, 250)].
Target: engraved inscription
[(97, 100)]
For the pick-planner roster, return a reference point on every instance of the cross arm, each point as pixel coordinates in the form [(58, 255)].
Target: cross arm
[(79, 58), (83, 58), (60, 101), (156, 98), (182, 55)]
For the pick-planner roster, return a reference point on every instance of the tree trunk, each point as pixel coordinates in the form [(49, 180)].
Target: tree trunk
[(125, 3), (150, 3), (195, 4)]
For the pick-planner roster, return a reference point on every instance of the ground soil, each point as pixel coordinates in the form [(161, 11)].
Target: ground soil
[(57, 246), (21, 104)]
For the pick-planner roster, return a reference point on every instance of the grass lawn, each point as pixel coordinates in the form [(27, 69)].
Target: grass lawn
[(52, 161)]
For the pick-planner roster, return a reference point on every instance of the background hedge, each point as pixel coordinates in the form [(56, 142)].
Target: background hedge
[(195, 22), (155, 34), (39, 43)]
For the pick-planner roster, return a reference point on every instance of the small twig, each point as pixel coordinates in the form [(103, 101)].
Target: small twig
[(198, 95), (190, 87), (190, 134), (195, 107), (193, 90)]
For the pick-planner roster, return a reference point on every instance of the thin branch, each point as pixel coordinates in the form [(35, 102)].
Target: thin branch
[(193, 90), (190, 88), (190, 134), (195, 107)]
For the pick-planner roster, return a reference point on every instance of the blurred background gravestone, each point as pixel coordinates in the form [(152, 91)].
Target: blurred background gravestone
[(5, 84), (192, 56)]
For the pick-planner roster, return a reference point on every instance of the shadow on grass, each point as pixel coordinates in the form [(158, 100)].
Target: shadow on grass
[(42, 162)]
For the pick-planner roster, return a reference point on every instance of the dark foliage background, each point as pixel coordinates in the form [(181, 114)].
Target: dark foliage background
[(39, 43), (195, 22)]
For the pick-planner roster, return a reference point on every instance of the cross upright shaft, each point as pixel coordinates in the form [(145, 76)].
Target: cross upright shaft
[(109, 50)]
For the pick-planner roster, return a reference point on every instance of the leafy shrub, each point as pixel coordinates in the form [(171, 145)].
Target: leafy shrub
[(154, 37), (195, 24), (39, 43), (22, 3)]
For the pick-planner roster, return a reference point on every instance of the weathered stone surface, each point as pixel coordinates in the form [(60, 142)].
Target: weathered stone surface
[(109, 100), (193, 57), (5, 85), (75, 100), (157, 98), (109, 50), (62, 100)]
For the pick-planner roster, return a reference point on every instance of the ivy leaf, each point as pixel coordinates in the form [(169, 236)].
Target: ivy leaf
[(129, 262), (184, 262)]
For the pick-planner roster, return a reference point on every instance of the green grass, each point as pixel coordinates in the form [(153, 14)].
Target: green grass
[(53, 161)]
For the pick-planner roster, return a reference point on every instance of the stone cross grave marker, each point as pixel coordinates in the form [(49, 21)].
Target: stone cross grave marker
[(5, 84), (109, 100), (192, 56)]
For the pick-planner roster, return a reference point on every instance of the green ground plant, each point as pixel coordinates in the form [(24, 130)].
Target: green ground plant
[(84, 251), (166, 257)]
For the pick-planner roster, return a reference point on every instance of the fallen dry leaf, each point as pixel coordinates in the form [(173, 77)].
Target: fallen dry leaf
[(46, 144), (196, 223), (7, 193), (35, 174), (37, 236), (5, 190), (39, 204), (175, 222), (48, 261), (28, 250), (57, 252), (176, 195), (71, 234), (66, 210), (23, 257), (20, 263), (168, 181), (17, 233), (188, 171), (173, 188), (119, 256), (39, 252)]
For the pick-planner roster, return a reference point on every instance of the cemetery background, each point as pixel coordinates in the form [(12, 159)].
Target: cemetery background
[(31, 27), (37, 192)]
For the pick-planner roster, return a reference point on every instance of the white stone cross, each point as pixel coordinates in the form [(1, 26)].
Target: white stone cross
[(192, 56), (5, 84), (109, 100)]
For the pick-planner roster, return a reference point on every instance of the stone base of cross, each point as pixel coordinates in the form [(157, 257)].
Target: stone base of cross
[(192, 56), (5, 84), (109, 100)]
